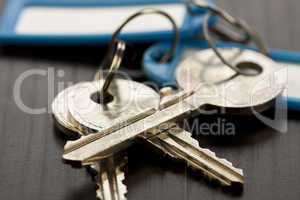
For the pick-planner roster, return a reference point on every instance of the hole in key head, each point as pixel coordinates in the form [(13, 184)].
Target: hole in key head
[(249, 68), (102, 99)]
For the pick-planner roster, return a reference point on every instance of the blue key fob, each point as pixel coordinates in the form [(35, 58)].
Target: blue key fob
[(62, 22)]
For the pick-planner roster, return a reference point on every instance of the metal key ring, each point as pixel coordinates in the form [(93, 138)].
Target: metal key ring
[(116, 52), (249, 33), (169, 55), (116, 58), (255, 38), (235, 22)]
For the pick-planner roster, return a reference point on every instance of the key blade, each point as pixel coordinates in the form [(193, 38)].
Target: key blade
[(70, 145), (165, 102), (178, 143), (104, 191), (93, 145), (110, 180)]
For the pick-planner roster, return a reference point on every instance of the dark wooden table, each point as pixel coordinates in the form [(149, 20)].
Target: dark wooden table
[(31, 148)]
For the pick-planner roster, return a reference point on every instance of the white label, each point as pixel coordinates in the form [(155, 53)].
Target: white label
[(293, 79), (37, 20)]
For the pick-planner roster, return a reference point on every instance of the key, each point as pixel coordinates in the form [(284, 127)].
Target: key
[(180, 146), (109, 172), (193, 70), (156, 119), (130, 103)]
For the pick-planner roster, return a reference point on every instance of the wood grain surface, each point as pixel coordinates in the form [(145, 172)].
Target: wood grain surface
[(31, 147)]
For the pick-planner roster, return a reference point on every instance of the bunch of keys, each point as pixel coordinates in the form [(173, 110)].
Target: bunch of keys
[(107, 173), (128, 110)]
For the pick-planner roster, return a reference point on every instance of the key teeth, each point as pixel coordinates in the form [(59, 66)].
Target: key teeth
[(240, 171), (93, 170), (122, 185), (188, 134), (229, 164), (188, 137), (195, 142), (122, 188), (212, 180), (226, 161), (99, 193), (209, 152)]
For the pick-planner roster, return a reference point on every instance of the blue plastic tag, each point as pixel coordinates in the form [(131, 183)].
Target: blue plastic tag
[(63, 22)]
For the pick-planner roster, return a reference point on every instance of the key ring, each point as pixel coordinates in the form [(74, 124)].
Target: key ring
[(227, 17), (116, 53), (248, 32), (169, 55), (115, 56)]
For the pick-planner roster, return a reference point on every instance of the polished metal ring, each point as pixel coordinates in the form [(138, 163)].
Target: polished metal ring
[(116, 49), (169, 55), (116, 54), (241, 26), (248, 32), (255, 38), (115, 64)]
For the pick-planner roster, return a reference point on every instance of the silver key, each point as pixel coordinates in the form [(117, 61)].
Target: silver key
[(130, 103), (204, 67), (177, 144), (110, 177)]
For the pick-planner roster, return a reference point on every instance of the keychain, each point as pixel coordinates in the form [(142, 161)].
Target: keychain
[(126, 112)]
